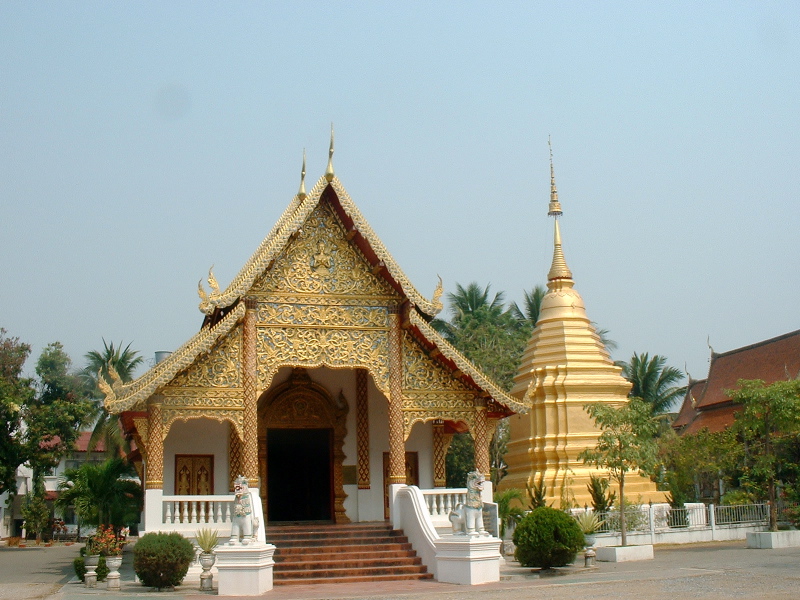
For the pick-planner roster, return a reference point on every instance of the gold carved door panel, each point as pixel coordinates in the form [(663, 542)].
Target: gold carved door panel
[(412, 476), (194, 474)]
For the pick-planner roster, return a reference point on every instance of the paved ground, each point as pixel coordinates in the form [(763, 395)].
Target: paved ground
[(711, 571)]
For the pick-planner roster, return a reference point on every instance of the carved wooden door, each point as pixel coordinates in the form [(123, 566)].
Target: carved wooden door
[(412, 476), (194, 474)]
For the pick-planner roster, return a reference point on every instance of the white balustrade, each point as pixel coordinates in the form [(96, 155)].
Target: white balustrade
[(202, 510), (440, 501)]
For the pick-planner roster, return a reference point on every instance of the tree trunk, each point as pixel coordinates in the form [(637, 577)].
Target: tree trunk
[(623, 526)]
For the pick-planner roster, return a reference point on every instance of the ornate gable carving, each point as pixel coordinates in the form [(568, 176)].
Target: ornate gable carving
[(320, 304), (430, 391), (320, 261)]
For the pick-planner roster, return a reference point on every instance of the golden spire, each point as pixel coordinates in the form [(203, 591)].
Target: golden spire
[(559, 268), (302, 192), (555, 206), (329, 170)]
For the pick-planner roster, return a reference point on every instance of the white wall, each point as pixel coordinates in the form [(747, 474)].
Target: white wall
[(197, 436)]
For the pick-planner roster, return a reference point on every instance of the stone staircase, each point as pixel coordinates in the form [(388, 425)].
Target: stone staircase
[(342, 554)]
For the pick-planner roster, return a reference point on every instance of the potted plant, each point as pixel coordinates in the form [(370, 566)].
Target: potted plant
[(590, 524), (105, 542), (207, 540)]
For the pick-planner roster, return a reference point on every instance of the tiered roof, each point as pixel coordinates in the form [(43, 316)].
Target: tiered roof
[(707, 404), (225, 309)]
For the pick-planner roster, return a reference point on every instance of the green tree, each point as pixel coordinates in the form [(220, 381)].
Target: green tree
[(16, 392), (770, 414), (531, 306), (35, 511), (102, 494), (694, 464), (123, 362), (653, 381), (460, 460), (54, 418), (39, 420), (626, 444), (509, 509)]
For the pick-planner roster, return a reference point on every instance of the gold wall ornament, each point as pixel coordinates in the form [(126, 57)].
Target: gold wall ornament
[(133, 393), (300, 403), (305, 265), (362, 428), (250, 393), (439, 454), (219, 367), (466, 367), (234, 456), (155, 447), (397, 471)]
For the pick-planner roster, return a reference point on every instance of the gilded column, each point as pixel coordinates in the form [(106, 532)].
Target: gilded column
[(155, 447), (481, 438), (234, 456), (397, 455), (362, 428), (249, 381), (440, 444)]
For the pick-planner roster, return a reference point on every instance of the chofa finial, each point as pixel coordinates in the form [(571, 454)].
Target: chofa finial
[(329, 170), (554, 209), (302, 192)]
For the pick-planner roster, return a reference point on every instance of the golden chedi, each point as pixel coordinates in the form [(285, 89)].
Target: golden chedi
[(565, 367)]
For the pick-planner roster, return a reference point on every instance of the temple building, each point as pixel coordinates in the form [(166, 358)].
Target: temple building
[(565, 366), (707, 404), (315, 374)]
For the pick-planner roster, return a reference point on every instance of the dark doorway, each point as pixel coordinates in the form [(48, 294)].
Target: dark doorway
[(299, 475)]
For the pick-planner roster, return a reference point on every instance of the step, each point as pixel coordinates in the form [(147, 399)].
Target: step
[(313, 553), (343, 548), (347, 563), (322, 554), (360, 572), (354, 579)]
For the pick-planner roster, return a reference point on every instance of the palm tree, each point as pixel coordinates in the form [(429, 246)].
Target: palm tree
[(125, 362), (101, 494), (653, 381), (532, 304)]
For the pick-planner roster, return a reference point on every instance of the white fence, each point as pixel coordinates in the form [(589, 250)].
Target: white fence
[(662, 524)]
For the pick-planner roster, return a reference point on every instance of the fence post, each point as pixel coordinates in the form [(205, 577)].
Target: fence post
[(712, 520), (651, 518)]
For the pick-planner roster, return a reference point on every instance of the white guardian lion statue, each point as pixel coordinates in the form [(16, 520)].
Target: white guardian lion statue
[(467, 518), (243, 522)]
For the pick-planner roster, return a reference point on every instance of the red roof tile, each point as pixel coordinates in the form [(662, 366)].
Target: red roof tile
[(688, 410), (770, 360)]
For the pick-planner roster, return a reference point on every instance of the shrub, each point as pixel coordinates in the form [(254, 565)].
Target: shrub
[(546, 538), (80, 568), (162, 559)]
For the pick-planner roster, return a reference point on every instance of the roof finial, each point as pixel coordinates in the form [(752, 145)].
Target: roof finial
[(329, 170), (559, 268), (302, 192), (555, 206)]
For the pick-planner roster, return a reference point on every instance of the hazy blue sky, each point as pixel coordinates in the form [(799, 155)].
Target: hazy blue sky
[(142, 142)]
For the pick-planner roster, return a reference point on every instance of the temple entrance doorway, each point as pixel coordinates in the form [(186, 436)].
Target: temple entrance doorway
[(301, 431), (299, 463)]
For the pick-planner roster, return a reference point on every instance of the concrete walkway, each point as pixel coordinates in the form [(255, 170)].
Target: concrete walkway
[(719, 570)]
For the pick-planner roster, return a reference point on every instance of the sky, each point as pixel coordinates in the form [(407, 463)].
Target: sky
[(143, 142)]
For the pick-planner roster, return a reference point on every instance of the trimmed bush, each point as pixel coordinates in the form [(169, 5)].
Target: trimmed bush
[(80, 568), (546, 538), (162, 559)]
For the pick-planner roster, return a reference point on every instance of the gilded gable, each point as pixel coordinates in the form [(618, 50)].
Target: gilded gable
[(320, 261), (320, 304)]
